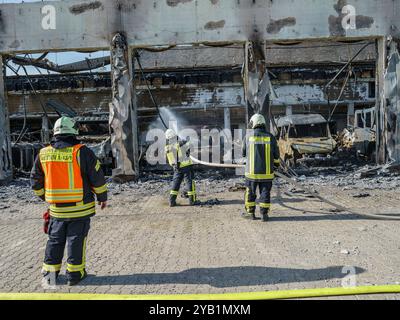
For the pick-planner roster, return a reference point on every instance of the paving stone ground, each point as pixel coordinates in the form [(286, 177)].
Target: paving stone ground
[(141, 246)]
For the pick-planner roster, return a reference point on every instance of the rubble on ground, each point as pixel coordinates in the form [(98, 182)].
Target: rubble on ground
[(351, 177), (17, 190), (211, 182)]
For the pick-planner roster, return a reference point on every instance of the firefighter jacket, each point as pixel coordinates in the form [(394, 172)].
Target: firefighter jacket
[(68, 176), (178, 154), (262, 153)]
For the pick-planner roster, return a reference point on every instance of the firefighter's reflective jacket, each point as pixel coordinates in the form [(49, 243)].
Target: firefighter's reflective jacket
[(67, 175), (178, 154), (262, 153)]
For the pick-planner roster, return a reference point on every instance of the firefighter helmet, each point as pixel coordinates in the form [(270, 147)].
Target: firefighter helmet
[(66, 126), (257, 120), (170, 134)]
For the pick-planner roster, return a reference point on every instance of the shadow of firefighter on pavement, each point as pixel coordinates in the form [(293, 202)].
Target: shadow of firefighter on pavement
[(225, 277)]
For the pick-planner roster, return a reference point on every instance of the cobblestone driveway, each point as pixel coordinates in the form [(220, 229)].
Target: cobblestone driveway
[(141, 246)]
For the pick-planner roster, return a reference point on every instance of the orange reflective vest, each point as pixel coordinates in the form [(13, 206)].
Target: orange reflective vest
[(63, 179)]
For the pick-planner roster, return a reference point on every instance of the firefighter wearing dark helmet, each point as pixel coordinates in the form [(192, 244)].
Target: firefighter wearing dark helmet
[(68, 176), (262, 158)]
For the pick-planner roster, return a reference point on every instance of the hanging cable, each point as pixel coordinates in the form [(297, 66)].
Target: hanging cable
[(340, 95), (32, 87), (347, 64), (23, 131), (36, 95), (137, 56)]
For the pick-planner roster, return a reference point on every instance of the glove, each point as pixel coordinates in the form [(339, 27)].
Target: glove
[(46, 218)]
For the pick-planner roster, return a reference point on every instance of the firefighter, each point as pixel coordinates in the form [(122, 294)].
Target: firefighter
[(178, 156), (262, 158), (68, 176)]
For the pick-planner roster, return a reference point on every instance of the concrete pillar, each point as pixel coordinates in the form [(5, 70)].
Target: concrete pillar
[(256, 81), (123, 118), (350, 115), (247, 60), (45, 129), (5, 139), (227, 118), (289, 110), (381, 110)]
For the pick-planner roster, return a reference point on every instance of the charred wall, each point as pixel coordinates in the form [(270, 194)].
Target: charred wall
[(198, 88)]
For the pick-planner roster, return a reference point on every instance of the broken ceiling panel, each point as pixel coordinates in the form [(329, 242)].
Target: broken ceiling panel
[(85, 65), (193, 57), (318, 52)]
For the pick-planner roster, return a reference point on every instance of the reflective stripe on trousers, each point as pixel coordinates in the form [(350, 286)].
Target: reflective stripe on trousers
[(251, 196), (73, 234), (187, 175)]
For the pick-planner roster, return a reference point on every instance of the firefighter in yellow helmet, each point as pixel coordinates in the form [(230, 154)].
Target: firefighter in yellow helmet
[(68, 176), (178, 156), (262, 157)]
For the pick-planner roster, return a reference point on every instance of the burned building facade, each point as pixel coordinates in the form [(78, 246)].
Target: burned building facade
[(194, 62)]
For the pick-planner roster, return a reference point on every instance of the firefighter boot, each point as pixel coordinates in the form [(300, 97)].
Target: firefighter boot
[(264, 215), (172, 201), (74, 281), (193, 201), (50, 278), (248, 215)]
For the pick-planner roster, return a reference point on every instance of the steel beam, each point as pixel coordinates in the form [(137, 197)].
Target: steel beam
[(91, 24)]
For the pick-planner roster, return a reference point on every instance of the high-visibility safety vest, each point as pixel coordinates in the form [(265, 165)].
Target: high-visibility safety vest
[(259, 165), (175, 155), (63, 179)]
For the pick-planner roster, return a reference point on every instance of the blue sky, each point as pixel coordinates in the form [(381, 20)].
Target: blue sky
[(60, 57)]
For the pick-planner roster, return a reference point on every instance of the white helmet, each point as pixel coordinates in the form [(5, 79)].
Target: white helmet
[(170, 134), (67, 126), (257, 120)]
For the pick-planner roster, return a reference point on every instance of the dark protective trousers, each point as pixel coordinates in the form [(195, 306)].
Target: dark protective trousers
[(186, 174), (72, 233), (251, 196)]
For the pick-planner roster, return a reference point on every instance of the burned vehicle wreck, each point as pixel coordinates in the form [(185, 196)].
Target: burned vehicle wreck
[(361, 138), (303, 137)]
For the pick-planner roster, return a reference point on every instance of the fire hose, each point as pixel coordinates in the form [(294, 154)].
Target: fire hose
[(263, 295), (313, 193)]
